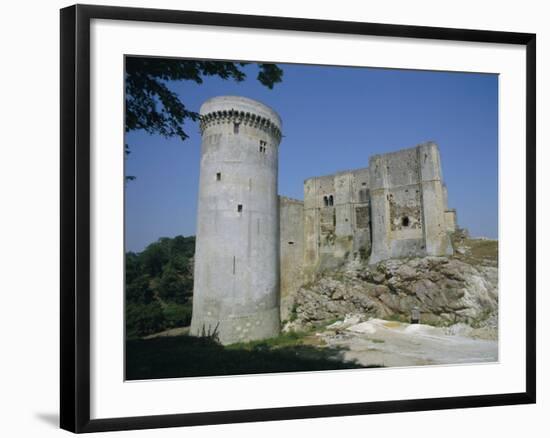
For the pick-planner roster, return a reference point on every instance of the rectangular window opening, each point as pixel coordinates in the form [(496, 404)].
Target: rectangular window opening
[(235, 128), (218, 176), (240, 208)]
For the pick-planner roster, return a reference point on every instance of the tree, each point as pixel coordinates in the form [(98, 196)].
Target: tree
[(139, 291), (144, 319), (174, 286), (153, 107), (155, 256), (159, 286)]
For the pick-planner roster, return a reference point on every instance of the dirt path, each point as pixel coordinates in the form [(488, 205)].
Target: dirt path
[(388, 343), (177, 331)]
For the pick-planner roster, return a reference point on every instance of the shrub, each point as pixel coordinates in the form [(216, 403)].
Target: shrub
[(177, 315), (144, 319)]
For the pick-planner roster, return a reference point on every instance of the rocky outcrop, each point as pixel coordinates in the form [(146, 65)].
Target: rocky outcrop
[(444, 290)]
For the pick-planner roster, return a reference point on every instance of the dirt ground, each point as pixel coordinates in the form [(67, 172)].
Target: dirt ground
[(389, 343)]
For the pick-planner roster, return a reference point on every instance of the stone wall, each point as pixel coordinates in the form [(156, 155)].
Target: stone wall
[(291, 213), (337, 219), (408, 204), (450, 220), (396, 207)]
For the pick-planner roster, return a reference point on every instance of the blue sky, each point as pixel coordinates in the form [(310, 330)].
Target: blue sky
[(334, 118)]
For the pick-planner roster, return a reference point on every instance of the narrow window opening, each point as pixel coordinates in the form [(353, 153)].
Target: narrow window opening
[(330, 200), (218, 176), (235, 128), (240, 208), (325, 200), (234, 265), (291, 243), (405, 221)]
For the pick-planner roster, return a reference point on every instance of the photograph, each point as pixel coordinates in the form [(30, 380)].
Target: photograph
[(290, 218)]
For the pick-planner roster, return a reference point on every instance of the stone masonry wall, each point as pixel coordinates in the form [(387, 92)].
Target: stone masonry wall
[(396, 207), (337, 219), (408, 203), (291, 213), (236, 271)]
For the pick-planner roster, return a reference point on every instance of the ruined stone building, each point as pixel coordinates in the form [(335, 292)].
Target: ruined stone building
[(254, 249)]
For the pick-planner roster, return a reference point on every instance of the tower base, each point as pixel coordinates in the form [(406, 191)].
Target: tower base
[(260, 325)]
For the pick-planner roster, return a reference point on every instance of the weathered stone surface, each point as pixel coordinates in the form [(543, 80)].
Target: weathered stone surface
[(395, 207), (445, 290), (291, 247)]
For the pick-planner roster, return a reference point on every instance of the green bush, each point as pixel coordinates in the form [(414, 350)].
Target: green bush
[(144, 319), (138, 291), (178, 315), (174, 286)]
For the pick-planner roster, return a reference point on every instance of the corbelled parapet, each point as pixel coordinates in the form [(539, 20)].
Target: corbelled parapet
[(240, 110)]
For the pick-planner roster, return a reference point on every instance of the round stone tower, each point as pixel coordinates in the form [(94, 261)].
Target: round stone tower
[(236, 279)]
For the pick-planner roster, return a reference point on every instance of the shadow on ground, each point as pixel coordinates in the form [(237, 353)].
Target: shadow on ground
[(187, 356), (51, 418)]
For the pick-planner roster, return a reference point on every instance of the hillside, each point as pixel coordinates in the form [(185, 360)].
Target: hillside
[(159, 286)]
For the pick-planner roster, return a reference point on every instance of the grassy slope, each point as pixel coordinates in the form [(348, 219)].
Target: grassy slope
[(475, 251)]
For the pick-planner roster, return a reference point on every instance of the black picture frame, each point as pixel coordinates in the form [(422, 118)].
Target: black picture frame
[(75, 217)]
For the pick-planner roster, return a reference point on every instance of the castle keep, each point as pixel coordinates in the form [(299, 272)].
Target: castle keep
[(255, 249), (236, 278)]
